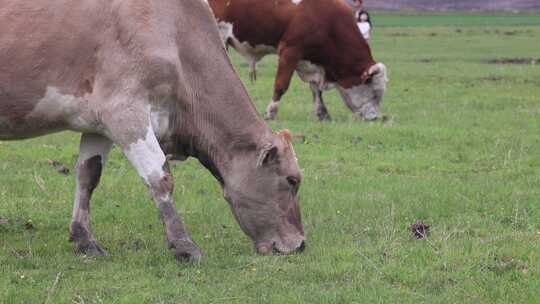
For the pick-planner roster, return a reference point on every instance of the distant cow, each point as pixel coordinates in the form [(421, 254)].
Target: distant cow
[(317, 38), (153, 78)]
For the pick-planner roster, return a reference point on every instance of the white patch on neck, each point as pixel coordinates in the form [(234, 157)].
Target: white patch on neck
[(296, 2)]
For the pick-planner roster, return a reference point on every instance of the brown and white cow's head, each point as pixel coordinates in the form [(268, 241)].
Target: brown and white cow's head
[(365, 98), (262, 190)]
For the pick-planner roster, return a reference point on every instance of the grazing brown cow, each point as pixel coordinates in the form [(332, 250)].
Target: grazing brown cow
[(317, 38), (132, 73)]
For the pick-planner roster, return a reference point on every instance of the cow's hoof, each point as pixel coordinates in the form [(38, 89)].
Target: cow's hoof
[(324, 117), (186, 251), (91, 248), (271, 111), (270, 116)]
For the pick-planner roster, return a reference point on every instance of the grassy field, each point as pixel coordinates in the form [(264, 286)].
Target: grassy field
[(461, 152)]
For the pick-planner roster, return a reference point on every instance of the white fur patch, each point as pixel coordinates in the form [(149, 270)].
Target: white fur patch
[(58, 107), (296, 2), (382, 76), (225, 30), (146, 156), (160, 114), (55, 103)]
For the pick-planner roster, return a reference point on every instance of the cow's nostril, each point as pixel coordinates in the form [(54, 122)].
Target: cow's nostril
[(301, 247)]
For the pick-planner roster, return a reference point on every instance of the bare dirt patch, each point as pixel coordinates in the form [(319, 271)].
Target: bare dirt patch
[(398, 34), (58, 166), (493, 78), (3, 221), (419, 229), (504, 61)]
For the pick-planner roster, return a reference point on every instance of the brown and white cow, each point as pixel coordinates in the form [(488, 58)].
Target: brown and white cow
[(153, 78), (317, 38)]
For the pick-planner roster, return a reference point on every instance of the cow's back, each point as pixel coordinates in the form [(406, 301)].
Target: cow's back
[(259, 22), (46, 45), (61, 61)]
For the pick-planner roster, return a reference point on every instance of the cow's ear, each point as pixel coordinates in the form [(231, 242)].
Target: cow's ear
[(268, 154), (374, 69), (286, 134), (378, 69)]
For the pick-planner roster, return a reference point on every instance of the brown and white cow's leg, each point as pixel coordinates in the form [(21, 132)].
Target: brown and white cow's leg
[(320, 108), (92, 157), (146, 156), (288, 60)]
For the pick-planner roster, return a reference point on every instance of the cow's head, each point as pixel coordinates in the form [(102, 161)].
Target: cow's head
[(364, 98), (262, 190)]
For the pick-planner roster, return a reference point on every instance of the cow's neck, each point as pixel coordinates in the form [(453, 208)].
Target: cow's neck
[(222, 130)]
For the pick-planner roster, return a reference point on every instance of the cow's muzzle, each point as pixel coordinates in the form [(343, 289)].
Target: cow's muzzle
[(265, 248), (369, 112)]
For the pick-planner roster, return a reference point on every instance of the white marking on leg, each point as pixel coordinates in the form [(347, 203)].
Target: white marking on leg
[(147, 157), (272, 109)]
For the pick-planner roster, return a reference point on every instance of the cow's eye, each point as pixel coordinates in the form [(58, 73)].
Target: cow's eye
[(294, 182)]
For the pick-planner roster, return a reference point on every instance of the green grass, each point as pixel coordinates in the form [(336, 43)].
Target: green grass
[(451, 19), (461, 153)]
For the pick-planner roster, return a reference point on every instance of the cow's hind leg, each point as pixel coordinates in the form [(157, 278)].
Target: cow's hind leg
[(320, 108), (151, 164), (253, 71), (92, 156)]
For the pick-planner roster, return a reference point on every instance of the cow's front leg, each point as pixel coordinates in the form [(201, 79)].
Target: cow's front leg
[(92, 157), (150, 162), (320, 108), (288, 60)]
